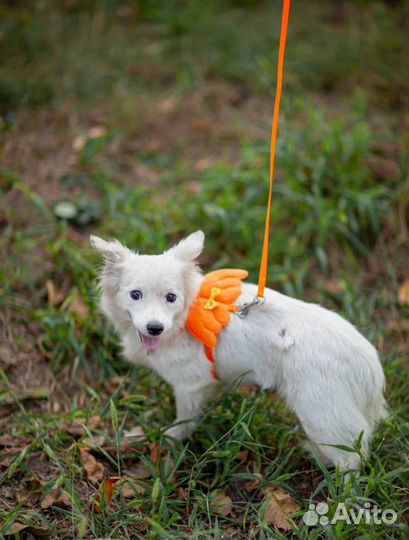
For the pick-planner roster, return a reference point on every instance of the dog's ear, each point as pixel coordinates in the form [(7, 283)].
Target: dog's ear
[(189, 248), (112, 251)]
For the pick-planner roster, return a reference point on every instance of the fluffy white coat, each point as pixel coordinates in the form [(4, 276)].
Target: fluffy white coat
[(327, 372)]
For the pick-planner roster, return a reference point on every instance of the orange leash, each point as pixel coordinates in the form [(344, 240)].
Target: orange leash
[(210, 313), (280, 69)]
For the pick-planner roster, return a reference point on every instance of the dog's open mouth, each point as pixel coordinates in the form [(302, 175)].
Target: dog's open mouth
[(149, 342)]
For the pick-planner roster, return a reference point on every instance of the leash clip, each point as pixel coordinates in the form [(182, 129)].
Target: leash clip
[(243, 310)]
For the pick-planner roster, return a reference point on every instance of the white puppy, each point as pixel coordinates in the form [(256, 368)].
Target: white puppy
[(326, 371)]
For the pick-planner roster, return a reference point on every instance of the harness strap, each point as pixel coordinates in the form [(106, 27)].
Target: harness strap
[(280, 69)]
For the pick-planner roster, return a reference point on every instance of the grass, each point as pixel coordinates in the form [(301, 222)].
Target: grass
[(152, 120)]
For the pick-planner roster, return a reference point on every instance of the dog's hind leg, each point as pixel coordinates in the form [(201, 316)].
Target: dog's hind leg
[(190, 402), (331, 420)]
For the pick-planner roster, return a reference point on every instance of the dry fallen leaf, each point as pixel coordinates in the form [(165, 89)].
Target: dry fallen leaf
[(79, 142), (398, 326), (167, 105), (203, 126), (8, 354), (104, 496), (220, 503), (383, 168), (139, 471), (93, 468), (9, 454), (8, 440), (244, 455), (403, 294), (36, 530), (254, 484), (154, 450), (77, 305), (334, 286), (37, 392), (132, 436), (76, 427), (130, 489), (55, 296), (182, 494), (278, 507), (202, 164), (95, 442), (55, 497), (97, 131)]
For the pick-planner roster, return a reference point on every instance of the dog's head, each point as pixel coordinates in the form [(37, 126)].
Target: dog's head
[(152, 292)]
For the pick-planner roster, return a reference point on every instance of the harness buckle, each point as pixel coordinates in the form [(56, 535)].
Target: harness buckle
[(243, 310)]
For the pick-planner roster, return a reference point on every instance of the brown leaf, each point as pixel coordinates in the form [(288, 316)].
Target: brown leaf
[(403, 294), (35, 530), (167, 105), (154, 449), (334, 286), (95, 442), (126, 11), (94, 469), (203, 126), (130, 489), (8, 440), (182, 494), (194, 187), (16, 528), (254, 484), (96, 132), (400, 326), (37, 392), (49, 499), (202, 164), (104, 496), (8, 355), (278, 507), (244, 455), (112, 383), (77, 305), (136, 434), (138, 471), (79, 142), (76, 427), (383, 168), (55, 497), (55, 296), (76, 236), (220, 503)]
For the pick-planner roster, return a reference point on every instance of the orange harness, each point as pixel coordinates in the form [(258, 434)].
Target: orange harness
[(211, 311), (220, 289)]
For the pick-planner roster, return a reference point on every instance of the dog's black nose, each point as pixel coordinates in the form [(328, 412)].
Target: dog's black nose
[(154, 328)]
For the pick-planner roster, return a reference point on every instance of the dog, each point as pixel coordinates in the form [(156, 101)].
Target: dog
[(328, 374)]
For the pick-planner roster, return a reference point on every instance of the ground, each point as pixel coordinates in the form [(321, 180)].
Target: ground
[(152, 120)]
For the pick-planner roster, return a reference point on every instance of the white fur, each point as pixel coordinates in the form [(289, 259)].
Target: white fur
[(327, 372)]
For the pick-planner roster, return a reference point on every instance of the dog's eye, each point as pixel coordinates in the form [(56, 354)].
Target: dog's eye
[(135, 294), (170, 297)]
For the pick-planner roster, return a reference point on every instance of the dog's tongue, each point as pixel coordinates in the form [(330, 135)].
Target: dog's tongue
[(150, 342)]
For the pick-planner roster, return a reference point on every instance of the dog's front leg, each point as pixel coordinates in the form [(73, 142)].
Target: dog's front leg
[(190, 403)]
